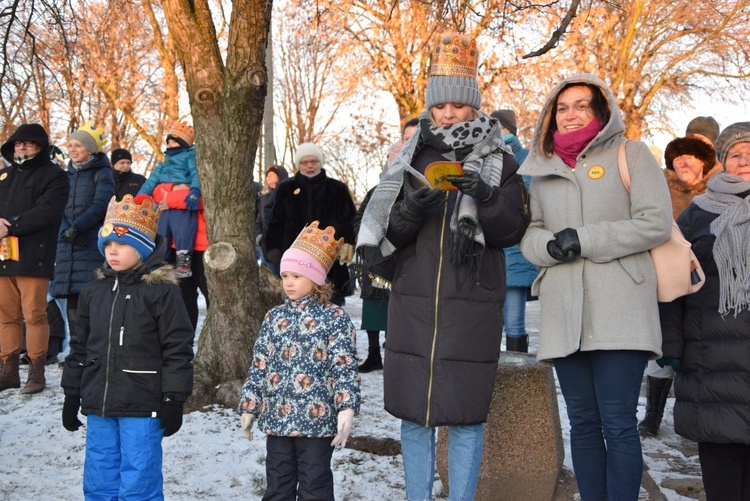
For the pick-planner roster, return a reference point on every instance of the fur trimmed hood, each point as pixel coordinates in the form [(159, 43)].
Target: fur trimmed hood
[(162, 275), (690, 146)]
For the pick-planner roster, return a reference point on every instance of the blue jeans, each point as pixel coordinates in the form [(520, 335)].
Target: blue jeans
[(123, 459), (514, 311), (466, 444), (601, 393)]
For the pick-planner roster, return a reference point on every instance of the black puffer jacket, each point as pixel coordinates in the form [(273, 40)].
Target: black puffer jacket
[(713, 387), (134, 342), (299, 201), (127, 183), (444, 330), (32, 198)]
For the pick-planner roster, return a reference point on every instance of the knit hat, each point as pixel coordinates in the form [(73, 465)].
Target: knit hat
[(507, 119), (119, 154), (90, 136), (690, 146), (312, 254), (453, 71), (182, 133), (307, 150), (131, 221), (705, 126), (736, 133)]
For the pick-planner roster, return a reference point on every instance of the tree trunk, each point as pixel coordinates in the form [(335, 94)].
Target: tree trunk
[(269, 151), (226, 103)]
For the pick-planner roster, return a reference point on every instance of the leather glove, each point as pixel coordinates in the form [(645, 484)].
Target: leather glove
[(191, 201), (171, 417), (419, 201), (567, 240), (344, 427), (274, 255), (247, 420), (676, 363), (70, 413), (472, 184), (73, 236), (557, 253)]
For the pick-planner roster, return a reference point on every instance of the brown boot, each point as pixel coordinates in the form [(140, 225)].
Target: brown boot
[(9, 377), (36, 381)]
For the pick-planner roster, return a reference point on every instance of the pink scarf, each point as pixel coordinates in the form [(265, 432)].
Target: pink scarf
[(569, 146)]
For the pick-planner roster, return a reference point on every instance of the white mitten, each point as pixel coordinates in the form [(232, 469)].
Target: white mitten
[(247, 420), (344, 427)]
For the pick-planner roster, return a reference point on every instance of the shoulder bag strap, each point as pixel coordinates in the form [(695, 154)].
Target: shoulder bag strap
[(622, 162)]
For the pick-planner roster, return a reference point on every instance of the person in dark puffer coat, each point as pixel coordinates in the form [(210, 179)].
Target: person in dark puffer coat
[(91, 188), (706, 335)]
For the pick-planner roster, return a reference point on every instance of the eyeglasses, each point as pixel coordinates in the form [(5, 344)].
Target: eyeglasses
[(28, 144)]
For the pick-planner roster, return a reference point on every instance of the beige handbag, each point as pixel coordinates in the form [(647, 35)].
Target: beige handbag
[(678, 271)]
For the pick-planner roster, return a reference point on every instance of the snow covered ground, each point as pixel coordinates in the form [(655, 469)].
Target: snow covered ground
[(209, 458)]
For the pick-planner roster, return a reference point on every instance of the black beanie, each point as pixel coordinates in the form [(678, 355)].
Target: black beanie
[(690, 146), (119, 154), (507, 119)]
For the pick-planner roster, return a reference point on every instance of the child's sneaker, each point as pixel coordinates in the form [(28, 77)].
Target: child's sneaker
[(182, 266)]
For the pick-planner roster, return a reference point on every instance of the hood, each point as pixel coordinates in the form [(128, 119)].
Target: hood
[(152, 270), (279, 170), (26, 132), (614, 128)]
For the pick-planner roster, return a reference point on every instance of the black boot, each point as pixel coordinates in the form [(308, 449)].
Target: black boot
[(518, 344), (656, 399), (374, 362)]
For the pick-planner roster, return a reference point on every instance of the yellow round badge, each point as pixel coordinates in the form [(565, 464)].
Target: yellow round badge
[(106, 229), (596, 172), (296, 192), (3, 176)]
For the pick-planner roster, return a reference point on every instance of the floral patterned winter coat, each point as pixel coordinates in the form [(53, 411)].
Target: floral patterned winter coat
[(304, 370)]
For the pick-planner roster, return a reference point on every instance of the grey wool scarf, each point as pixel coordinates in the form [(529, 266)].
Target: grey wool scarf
[(732, 231), (485, 156)]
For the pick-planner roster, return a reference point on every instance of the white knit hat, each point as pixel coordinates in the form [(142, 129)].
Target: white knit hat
[(307, 150)]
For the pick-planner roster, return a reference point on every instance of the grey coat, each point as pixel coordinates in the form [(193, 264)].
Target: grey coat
[(605, 300)]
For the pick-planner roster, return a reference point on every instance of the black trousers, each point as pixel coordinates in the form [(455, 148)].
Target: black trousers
[(298, 468), (726, 471), (190, 285)]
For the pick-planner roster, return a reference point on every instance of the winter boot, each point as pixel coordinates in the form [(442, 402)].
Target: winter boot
[(182, 264), (36, 381), (9, 377), (518, 344), (374, 361), (656, 399)]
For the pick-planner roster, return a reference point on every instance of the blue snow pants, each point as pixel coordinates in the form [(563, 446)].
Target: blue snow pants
[(123, 459)]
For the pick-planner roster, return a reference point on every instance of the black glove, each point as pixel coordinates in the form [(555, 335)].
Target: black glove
[(73, 236), (417, 202), (556, 252), (567, 240), (273, 255), (171, 417), (473, 185), (70, 413)]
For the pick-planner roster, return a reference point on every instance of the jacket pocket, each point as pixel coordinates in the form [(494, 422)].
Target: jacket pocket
[(633, 265), (138, 383)]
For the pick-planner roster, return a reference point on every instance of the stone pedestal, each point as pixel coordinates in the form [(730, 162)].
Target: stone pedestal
[(523, 449)]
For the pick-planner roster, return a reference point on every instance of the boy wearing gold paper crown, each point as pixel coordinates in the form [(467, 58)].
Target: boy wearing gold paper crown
[(130, 364), (178, 173), (303, 385)]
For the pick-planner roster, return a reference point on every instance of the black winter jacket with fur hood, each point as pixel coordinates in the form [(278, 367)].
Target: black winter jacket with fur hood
[(134, 342)]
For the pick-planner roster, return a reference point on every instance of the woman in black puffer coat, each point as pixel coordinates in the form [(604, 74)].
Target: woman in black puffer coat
[(706, 335)]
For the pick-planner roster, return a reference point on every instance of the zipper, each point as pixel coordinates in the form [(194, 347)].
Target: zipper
[(435, 319), (122, 322), (109, 344)]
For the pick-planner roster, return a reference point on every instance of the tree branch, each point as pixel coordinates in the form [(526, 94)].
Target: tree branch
[(558, 33)]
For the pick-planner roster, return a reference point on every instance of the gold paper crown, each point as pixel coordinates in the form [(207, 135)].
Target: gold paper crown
[(128, 214), (454, 54), (320, 244), (96, 132), (183, 131)]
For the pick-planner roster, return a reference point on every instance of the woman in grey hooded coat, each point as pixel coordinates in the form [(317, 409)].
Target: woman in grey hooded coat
[(597, 283)]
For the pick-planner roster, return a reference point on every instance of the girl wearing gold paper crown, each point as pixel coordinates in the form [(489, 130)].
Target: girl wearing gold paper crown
[(303, 385), (444, 316), (130, 364)]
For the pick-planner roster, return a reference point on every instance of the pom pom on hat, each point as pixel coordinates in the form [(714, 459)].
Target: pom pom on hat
[(90, 136), (453, 71), (312, 254), (307, 150), (131, 221), (182, 133)]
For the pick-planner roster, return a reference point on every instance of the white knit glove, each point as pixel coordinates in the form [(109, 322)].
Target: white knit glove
[(344, 427), (247, 420)]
